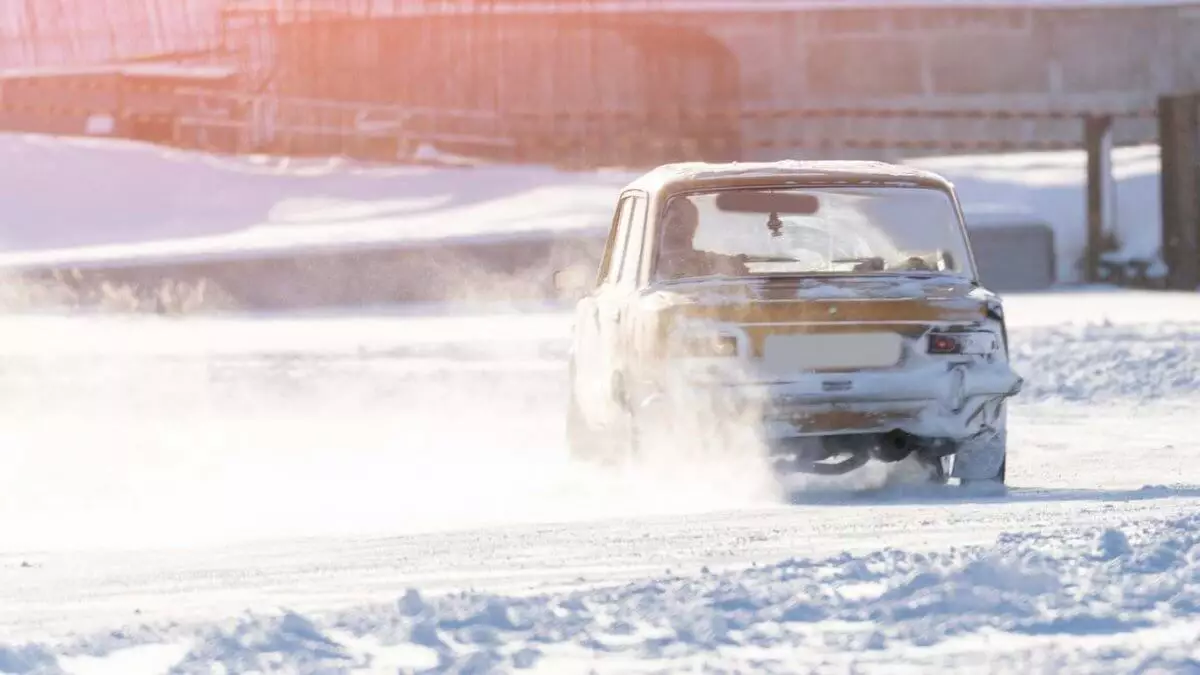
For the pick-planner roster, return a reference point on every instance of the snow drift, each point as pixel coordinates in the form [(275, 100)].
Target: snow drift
[(164, 206), (1116, 599)]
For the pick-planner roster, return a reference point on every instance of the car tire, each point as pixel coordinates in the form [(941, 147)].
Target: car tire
[(938, 468), (996, 479), (983, 462)]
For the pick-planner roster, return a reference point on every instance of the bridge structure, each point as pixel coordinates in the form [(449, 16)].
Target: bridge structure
[(583, 83)]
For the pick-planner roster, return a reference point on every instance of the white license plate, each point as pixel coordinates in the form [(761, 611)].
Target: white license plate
[(831, 351)]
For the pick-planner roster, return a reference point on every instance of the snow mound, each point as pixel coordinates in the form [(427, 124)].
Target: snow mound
[(146, 202), (1111, 597), (1102, 361)]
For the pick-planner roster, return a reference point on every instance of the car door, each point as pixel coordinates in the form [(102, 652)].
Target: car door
[(597, 324)]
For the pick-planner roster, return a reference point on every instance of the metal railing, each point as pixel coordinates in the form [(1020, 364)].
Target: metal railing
[(570, 81), (210, 110), (297, 125)]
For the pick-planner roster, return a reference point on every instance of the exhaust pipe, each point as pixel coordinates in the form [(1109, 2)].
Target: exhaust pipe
[(894, 446)]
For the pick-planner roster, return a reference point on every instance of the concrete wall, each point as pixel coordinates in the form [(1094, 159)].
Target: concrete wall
[(1115, 56), (73, 33), (1109, 58), (573, 70), (560, 67)]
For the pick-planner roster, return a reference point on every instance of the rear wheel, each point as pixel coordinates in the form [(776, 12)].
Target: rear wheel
[(982, 461), (997, 479), (937, 467)]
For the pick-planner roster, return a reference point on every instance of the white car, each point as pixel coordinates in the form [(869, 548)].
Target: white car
[(830, 311)]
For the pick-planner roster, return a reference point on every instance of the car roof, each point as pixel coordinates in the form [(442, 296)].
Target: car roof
[(684, 176)]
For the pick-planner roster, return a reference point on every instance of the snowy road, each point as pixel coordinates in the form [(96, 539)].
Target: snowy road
[(163, 477)]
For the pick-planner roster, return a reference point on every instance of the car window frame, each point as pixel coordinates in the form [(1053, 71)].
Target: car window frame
[(618, 241), (663, 201), (628, 274)]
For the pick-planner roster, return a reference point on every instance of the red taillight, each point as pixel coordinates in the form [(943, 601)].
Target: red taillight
[(944, 344), (710, 346)]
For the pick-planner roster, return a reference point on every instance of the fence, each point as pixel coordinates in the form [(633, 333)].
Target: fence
[(298, 126), (210, 109)]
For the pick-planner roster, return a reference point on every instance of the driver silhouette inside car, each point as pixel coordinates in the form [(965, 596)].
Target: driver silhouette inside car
[(679, 258)]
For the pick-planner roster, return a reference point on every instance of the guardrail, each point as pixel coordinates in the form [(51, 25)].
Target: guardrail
[(208, 106), (591, 139), (517, 268), (512, 268), (168, 107)]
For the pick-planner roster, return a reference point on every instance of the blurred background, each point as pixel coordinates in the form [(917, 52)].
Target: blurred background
[(580, 85), (612, 82)]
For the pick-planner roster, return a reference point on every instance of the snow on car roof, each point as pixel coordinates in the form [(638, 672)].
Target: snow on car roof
[(683, 175)]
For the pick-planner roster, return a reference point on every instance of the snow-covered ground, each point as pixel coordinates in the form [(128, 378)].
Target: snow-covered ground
[(391, 492), (339, 493), (132, 200)]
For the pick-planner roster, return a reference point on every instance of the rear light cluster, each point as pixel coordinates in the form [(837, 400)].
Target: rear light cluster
[(941, 343), (967, 342)]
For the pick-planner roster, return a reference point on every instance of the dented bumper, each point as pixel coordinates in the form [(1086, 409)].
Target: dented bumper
[(952, 401)]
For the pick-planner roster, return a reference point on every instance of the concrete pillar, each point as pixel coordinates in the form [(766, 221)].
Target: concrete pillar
[(1101, 190), (1179, 141)]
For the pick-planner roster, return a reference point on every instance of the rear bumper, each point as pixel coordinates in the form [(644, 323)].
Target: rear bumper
[(936, 400)]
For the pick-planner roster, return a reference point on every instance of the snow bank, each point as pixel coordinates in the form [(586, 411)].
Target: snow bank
[(1096, 363), (105, 200), (1120, 599), (99, 199)]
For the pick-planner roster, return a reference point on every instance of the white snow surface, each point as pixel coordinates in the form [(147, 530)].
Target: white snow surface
[(142, 202), (391, 493), (338, 493)]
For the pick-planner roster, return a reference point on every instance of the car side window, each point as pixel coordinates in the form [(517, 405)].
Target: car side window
[(636, 226), (614, 252)]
